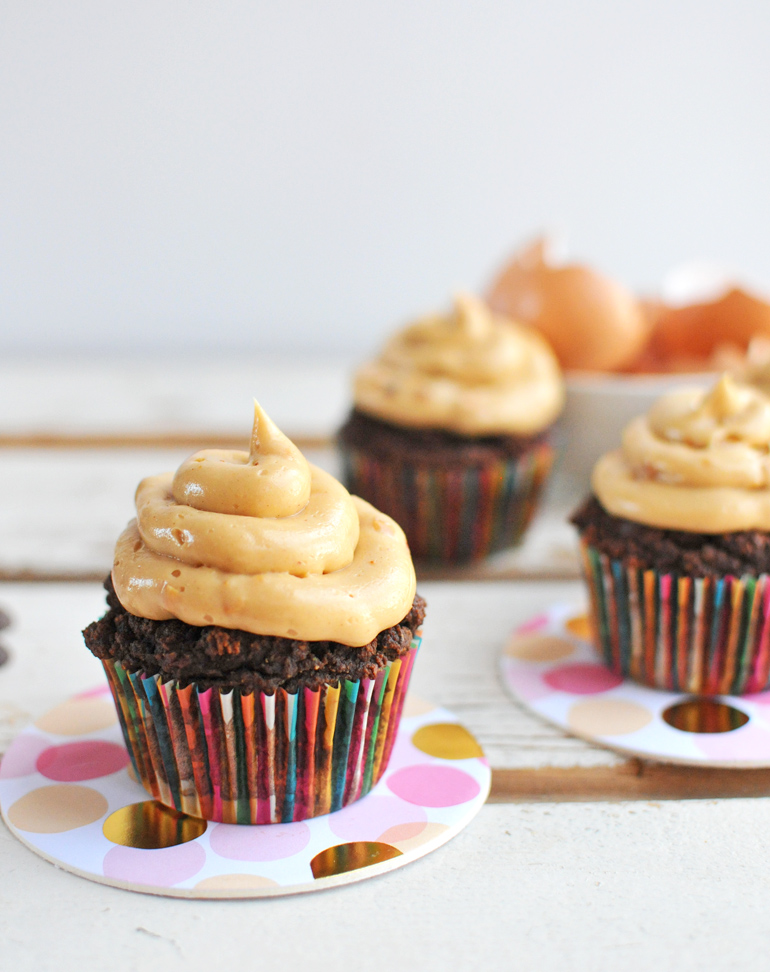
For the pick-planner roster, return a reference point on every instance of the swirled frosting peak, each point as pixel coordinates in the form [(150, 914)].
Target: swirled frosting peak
[(263, 541), (272, 479), (468, 372), (698, 461)]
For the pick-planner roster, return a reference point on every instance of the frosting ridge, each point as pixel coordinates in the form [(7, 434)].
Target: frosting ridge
[(469, 372), (265, 542), (698, 461), (272, 479)]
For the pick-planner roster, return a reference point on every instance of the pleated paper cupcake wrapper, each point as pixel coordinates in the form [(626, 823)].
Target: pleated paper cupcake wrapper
[(706, 635), (453, 515), (258, 758)]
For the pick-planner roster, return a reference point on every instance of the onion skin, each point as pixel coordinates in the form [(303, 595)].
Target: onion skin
[(591, 322), (696, 331)]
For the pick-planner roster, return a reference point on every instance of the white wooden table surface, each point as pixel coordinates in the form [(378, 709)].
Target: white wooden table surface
[(551, 875)]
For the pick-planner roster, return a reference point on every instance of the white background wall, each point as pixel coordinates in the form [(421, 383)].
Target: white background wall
[(279, 174)]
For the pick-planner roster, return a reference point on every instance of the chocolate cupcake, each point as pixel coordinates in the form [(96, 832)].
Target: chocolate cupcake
[(676, 543), (451, 431), (261, 631)]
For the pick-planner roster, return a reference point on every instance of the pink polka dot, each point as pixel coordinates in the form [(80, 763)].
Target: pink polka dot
[(433, 786), (94, 692), (77, 761), (369, 818), (527, 682), (582, 679), (405, 754), (268, 842), (161, 868), (21, 757), (760, 698), (750, 742), (534, 624)]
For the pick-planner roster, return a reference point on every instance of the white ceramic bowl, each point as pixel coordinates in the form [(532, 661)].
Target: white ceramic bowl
[(598, 408)]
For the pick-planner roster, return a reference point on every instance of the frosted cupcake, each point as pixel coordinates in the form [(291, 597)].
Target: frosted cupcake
[(261, 632), (451, 431), (676, 543)]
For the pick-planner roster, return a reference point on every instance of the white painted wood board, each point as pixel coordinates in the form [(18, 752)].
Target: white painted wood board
[(171, 394), (466, 626), (61, 511), (594, 887), (641, 887)]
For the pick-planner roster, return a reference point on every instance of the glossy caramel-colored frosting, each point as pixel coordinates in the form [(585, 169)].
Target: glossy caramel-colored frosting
[(468, 372), (263, 541), (698, 461)]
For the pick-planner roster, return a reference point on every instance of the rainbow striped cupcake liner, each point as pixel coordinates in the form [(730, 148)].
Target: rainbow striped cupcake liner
[(257, 758), (453, 515), (706, 635)]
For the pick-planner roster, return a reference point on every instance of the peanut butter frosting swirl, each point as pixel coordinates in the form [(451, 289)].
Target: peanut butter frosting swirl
[(469, 372), (698, 461), (263, 541)]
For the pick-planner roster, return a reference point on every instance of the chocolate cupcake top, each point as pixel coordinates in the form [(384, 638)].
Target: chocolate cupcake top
[(264, 542), (469, 372), (699, 461)]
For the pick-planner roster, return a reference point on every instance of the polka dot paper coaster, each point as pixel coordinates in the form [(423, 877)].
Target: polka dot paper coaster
[(66, 792), (551, 666)]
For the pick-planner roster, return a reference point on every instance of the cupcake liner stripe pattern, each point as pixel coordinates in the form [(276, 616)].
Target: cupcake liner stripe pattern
[(259, 758), (706, 635), (453, 514)]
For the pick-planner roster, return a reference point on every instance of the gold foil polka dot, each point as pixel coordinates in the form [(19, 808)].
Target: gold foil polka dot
[(78, 717), (539, 648), (56, 809), (704, 716), (350, 857), (235, 882), (446, 740), (608, 717), (150, 825), (580, 627)]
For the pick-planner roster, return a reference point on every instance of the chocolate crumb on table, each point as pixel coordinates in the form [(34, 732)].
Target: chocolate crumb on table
[(5, 622)]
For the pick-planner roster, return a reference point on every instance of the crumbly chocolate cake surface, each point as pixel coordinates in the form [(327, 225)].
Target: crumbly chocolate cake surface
[(430, 446), (673, 551), (226, 658)]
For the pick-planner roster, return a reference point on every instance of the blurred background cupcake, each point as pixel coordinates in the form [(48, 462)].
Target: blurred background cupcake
[(451, 431), (676, 543)]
